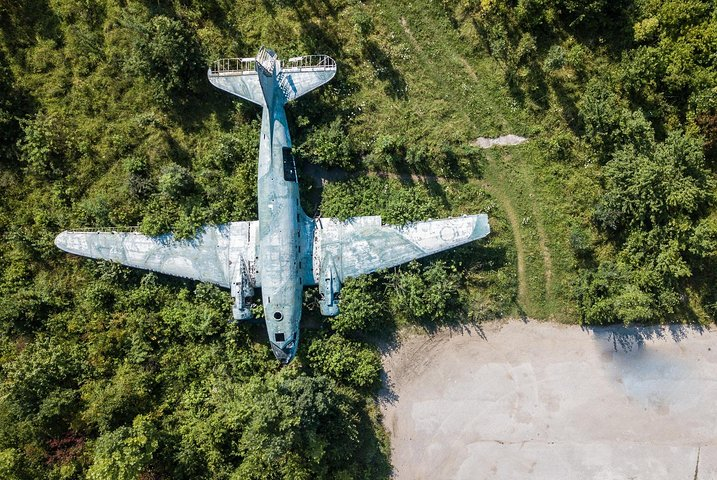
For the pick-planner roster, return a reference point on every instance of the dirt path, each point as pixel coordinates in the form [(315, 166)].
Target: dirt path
[(469, 69), (547, 259), (538, 400), (409, 33), (523, 299)]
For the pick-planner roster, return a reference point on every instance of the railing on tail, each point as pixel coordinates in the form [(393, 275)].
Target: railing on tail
[(234, 66), (310, 61)]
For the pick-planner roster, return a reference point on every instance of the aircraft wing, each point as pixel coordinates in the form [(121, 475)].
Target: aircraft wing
[(363, 245), (209, 257)]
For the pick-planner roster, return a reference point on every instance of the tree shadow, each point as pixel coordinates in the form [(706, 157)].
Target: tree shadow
[(387, 394), (569, 108), (627, 338), (395, 85), (22, 24)]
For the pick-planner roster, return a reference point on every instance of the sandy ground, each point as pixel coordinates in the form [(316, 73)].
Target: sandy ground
[(544, 401)]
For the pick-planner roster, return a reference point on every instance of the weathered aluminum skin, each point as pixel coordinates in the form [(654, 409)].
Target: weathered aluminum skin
[(284, 250), (362, 245), (213, 256)]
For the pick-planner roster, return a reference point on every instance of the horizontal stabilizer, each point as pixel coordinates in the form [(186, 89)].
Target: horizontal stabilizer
[(237, 76), (301, 75), (298, 76)]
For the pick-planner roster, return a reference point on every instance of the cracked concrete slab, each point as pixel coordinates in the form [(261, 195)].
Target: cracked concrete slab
[(547, 401)]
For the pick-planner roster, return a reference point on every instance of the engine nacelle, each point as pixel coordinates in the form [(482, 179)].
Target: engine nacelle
[(329, 288), (241, 288)]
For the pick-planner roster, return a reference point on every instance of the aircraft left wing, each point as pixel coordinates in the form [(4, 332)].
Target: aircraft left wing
[(222, 254), (363, 245)]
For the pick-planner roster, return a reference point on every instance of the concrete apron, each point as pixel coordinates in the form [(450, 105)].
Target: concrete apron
[(546, 401)]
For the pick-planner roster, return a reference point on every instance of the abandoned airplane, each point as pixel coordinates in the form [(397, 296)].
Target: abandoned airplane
[(285, 250)]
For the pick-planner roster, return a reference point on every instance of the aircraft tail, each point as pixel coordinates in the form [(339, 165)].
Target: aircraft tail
[(237, 76), (300, 75)]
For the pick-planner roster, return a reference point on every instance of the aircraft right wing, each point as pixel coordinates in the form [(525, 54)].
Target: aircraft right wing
[(363, 245), (219, 254)]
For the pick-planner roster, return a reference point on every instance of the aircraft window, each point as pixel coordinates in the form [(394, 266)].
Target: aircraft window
[(289, 165), (278, 315), (279, 337)]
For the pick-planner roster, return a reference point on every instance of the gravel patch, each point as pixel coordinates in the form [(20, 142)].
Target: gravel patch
[(505, 140)]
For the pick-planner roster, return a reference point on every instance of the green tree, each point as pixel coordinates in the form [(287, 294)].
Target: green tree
[(661, 188), (329, 145), (164, 52), (347, 361), (362, 306), (424, 294), (126, 452)]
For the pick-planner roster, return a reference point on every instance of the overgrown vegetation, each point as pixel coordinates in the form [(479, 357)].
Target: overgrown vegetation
[(606, 215), (636, 85)]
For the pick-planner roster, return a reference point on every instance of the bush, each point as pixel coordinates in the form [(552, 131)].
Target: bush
[(175, 181), (329, 145), (424, 294), (125, 453), (46, 147), (362, 306), (347, 361), (165, 53)]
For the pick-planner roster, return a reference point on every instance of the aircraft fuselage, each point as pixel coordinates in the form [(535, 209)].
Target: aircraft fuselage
[(280, 226)]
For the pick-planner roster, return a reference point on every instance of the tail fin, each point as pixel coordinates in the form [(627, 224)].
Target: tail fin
[(300, 75)]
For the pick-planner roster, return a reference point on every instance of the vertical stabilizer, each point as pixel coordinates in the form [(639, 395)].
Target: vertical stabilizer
[(266, 61)]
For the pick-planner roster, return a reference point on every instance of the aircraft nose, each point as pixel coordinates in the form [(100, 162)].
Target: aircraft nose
[(284, 355)]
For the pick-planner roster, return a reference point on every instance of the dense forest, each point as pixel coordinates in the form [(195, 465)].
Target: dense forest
[(606, 215)]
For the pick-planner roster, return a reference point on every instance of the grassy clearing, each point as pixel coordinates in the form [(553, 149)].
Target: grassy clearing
[(540, 227), (443, 92)]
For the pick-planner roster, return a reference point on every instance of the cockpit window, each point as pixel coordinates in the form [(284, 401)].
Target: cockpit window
[(289, 165)]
